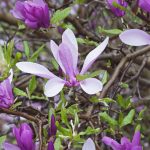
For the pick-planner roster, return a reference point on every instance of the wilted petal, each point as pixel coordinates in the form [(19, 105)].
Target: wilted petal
[(35, 69), (136, 138), (112, 143), (8, 146), (69, 39), (55, 51), (91, 85), (50, 146), (93, 55), (89, 145), (135, 37), (53, 87)]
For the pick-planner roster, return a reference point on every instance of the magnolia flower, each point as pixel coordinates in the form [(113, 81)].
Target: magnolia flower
[(35, 13), (135, 37), (117, 6), (6, 94), (24, 137), (145, 5), (125, 143), (66, 54), (89, 145)]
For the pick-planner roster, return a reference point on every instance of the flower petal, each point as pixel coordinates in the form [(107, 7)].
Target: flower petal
[(8, 146), (91, 85), (53, 87), (89, 145), (135, 37), (112, 143), (92, 56), (35, 69), (69, 39), (136, 138), (66, 59), (55, 51)]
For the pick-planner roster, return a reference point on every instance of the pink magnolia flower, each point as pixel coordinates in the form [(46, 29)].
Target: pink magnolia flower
[(89, 145), (135, 37), (145, 5), (125, 143), (35, 13), (66, 54)]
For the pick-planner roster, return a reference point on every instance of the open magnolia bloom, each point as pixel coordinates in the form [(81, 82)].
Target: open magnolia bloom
[(135, 37), (89, 145), (66, 55)]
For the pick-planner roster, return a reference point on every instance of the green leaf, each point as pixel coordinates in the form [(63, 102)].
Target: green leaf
[(26, 49), (83, 77), (87, 42), (55, 64), (64, 116), (36, 53), (15, 105), (124, 85), (8, 51), (32, 84), (79, 1), (110, 31), (2, 139), (90, 131), (108, 119), (19, 92), (128, 119), (60, 15), (64, 131), (57, 144)]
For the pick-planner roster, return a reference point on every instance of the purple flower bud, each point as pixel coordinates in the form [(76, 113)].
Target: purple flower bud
[(126, 144), (116, 10), (145, 5), (6, 95), (50, 146), (34, 13), (52, 129), (24, 137)]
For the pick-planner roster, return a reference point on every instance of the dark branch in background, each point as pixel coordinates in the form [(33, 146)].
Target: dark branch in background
[(120, 66)]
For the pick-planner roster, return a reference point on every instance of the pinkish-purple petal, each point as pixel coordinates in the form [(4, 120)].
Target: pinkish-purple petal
[(136, 138), (93, 55), (135, 37), (91, 85), (35, 69), (137, 148), (53, 87), (55, 51), (112, 143), (69, 39), (66, 58)]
